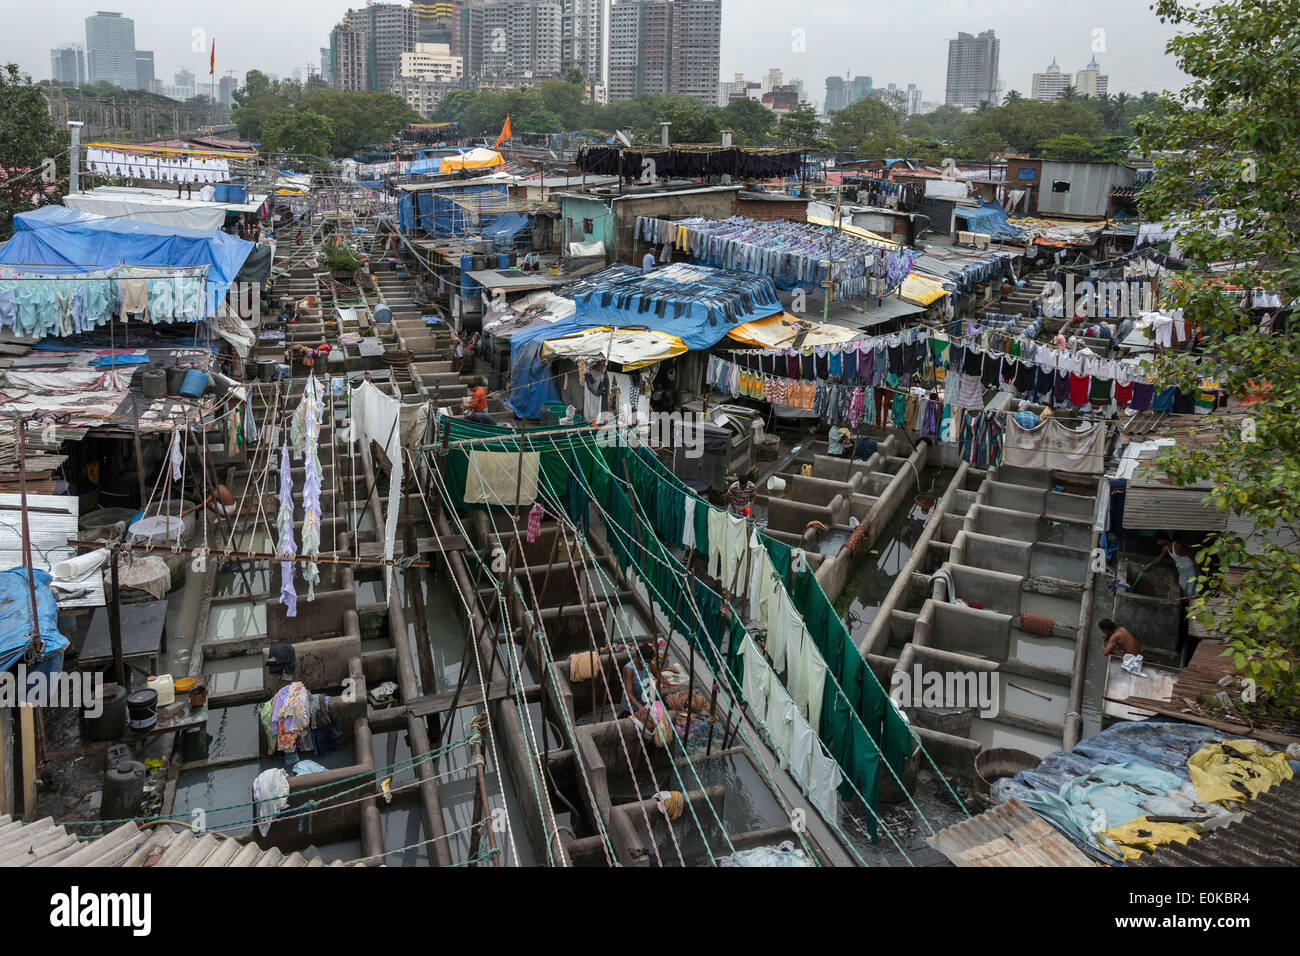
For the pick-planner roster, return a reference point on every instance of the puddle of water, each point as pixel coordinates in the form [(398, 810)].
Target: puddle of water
[(232, 730), (229, 622), (234, 674), (1052, 563)]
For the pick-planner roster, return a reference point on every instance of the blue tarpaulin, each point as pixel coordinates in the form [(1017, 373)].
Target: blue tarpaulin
[(698, 304), (16, 620), (509, 224), (989, 218), (56, 235)]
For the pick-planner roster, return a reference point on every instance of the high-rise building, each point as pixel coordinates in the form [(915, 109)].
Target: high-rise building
[(143, 69), (68, 64), (325, 73), (1047, 86), (511, 40), (366, 47), (664, 46), (583, 38), (841, 91), (1090, 81), (349, 64), (973, 70), (436, 21), (226, 87), (110, 49)]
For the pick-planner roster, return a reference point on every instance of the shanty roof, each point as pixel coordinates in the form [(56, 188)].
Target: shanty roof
[(1269, 835), (51, 521), (1010, 834), (46, 843)]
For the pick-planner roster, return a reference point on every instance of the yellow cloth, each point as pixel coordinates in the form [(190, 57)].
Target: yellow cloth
[(1142, 836), (671, 802), (780, 331), (1228, 772), (582, 667)]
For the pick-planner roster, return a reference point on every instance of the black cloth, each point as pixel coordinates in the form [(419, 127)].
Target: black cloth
[(991, 371)]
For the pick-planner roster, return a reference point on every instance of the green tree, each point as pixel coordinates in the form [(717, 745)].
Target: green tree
[(751, 121), (982, 145), (1068, 147), (870, 126), (1230, 172), (800, 126), (28, 138), (1011, 97), (297, 131)]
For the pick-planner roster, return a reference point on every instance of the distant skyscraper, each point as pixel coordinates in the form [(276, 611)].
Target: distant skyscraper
[(583, 38), (110, 49), (512, 40), (973, 70), (226, 87), (664, 46), (366, 47), (1048, 86), (143, 69), (842, 91), (68, 64), (325, 73), (1090, 81)]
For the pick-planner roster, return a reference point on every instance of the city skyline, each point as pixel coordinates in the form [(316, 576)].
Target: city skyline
[(810, 43)]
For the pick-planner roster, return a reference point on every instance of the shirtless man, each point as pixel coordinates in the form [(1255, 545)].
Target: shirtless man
[(1117, 640)]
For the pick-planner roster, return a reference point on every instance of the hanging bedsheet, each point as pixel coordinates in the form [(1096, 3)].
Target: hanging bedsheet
[(794, 254)]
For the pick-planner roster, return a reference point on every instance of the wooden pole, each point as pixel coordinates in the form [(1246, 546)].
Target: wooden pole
[(115, 623), (139, 455)]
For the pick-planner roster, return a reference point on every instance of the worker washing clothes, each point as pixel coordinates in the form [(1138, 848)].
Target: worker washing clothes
[(474, 404), (740, 494), (1183, 560), (1120, 641), (639, 679)]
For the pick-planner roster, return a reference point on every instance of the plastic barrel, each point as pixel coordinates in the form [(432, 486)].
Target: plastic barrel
[(123, 790), (503, 260), (111, 723), (237, 193), (221, 192), (195, 383), (266, 370), (153, 382), (175, 378), (142, 709), (383, 313)]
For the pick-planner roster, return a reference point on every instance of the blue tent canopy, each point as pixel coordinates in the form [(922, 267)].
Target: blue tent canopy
[(56, 235), (509, 224), (698, 304), (989, 218)]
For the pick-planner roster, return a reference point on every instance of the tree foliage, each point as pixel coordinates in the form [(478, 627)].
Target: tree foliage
[(353, 119), (28, 137), (1229, 171)]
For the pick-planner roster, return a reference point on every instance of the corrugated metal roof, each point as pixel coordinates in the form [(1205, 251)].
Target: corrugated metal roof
[(1268, 836), (49, 537), (1008, 835), (45, 843)]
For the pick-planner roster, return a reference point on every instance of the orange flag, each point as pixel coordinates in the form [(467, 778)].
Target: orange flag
[(505, 133), (212, 60)]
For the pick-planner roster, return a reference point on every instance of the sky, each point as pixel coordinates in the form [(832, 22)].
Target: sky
[(892, 41)]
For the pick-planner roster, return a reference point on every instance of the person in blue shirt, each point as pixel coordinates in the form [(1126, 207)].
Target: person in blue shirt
[(648, 262), (638, 678)]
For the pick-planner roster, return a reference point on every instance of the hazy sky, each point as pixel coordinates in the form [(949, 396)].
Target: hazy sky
[(900, 41)]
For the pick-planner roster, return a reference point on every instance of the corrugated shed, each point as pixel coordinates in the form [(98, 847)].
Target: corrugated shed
[(1269, 835), (49, 532), (1008, 835), (46, 843)]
